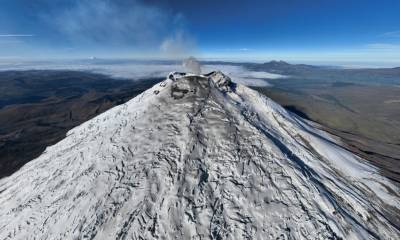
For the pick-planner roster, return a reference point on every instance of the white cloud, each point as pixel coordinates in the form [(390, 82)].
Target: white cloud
[(177, 45), (383, 46), (16, 35), (136, 71), (107, 23), (244, 76), (391, 34)]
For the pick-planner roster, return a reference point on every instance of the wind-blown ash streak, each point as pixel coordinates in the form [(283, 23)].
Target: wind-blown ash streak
[(198, 157)]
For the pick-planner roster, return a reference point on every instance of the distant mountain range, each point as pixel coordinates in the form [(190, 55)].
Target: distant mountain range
[(283, 68), (329, 74)]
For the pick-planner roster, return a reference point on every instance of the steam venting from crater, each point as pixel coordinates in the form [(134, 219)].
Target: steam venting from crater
[(192, 65)]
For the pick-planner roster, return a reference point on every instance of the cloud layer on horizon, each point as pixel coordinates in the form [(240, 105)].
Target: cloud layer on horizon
[(136, 70)]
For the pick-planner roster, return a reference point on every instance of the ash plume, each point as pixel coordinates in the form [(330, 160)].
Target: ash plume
[(192, 65)]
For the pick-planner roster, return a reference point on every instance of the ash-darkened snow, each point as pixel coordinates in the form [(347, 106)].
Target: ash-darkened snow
[(198, 157)]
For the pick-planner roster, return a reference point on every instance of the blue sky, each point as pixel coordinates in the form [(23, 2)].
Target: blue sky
[(292, 30)]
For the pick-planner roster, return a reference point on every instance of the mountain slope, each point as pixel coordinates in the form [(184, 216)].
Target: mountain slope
[(198, 157)]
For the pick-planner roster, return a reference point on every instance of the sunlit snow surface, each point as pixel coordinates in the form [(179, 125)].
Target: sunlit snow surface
[(198, 157)]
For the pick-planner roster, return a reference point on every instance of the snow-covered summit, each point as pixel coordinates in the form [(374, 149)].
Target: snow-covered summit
[(198, 157)]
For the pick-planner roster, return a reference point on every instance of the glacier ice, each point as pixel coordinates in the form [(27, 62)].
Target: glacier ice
[(198, 157)]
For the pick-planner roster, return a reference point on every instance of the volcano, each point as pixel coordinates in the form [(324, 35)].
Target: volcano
[(198, 157)]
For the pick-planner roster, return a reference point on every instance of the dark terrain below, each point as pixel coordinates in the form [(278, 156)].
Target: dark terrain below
[(37, 108)]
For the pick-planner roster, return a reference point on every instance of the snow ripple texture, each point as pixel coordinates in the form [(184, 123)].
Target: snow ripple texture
[(198, 157)]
